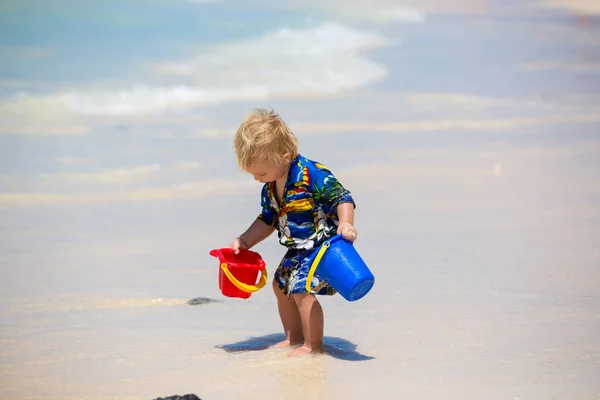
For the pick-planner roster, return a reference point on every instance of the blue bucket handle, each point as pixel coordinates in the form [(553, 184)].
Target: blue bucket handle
[(315, 264)]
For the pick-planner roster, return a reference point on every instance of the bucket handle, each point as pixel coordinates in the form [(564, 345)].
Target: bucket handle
[(315, 264), (244, 286)]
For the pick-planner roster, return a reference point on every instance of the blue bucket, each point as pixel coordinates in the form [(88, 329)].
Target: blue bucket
[(340, 265)]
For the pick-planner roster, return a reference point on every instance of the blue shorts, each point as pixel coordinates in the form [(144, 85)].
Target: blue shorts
[(292, 272)]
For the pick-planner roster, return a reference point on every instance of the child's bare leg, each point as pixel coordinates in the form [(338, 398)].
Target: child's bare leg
[(290, 318), (311, 314)]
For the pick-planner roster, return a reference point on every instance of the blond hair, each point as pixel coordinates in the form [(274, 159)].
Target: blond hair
[(263, 136)]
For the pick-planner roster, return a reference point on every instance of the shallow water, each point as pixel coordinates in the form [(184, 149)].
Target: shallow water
[(475, 166)]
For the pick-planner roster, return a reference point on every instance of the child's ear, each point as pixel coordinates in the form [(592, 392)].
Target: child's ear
[(287, 157)]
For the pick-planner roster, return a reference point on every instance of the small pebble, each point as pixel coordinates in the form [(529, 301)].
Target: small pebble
[(177, 397), (202, 300)]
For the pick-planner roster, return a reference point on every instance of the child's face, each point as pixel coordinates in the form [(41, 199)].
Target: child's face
[(269, 171)]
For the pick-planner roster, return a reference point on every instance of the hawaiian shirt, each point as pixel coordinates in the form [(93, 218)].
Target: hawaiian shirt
[(307, 215)]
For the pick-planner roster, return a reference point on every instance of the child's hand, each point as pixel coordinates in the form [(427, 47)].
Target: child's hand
[(238, 244), (347, 230)]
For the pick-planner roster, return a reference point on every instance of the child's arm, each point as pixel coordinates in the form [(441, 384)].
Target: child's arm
[(335, 195), (256, 233), (345, 212)]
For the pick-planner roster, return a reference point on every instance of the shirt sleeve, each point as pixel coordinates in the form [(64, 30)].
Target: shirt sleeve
[(329, 190), (268, 214)]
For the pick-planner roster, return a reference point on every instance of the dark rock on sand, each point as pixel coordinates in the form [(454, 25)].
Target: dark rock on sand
[(202, 300), (184, 397)]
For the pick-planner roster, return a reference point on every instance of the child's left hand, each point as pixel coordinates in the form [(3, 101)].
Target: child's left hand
[(347, 230)]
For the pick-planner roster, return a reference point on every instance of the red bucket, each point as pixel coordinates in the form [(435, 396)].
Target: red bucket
[(238, 273)]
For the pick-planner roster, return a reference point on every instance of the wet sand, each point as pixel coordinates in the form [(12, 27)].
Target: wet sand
[(482, 235)]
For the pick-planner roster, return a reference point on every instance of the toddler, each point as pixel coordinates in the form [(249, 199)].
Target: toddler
[(307, 205)]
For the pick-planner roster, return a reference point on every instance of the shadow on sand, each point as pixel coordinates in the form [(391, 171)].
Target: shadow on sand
[(333, 346)]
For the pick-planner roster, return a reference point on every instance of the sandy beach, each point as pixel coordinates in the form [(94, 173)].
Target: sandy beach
[(472, 148)]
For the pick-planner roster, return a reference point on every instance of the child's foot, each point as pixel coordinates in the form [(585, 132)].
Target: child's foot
[(283, 343), (302, 351), (287, 343)]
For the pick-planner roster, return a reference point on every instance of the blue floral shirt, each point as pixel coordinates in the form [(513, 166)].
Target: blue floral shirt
[(307, 215)]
